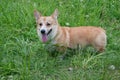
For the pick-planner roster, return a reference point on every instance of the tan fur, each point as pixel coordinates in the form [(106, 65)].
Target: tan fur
[(83, 36), (72, 37)]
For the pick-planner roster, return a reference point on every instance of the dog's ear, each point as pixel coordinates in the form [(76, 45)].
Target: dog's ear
[(37, 15), (55, 14)]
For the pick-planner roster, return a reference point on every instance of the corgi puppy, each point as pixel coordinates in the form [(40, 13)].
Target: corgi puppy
[(48, 29)]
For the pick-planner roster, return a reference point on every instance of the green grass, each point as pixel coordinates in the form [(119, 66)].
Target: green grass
[(23, 57)]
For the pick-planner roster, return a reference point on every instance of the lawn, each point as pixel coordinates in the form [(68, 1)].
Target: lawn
[(23, 57)]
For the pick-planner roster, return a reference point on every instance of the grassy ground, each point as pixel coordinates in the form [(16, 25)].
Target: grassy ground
[(22, 55)]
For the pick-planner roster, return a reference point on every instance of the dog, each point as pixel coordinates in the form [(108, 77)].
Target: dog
[(49, 30)]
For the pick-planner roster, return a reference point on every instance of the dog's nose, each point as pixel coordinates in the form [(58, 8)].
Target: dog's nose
[(43, 31)]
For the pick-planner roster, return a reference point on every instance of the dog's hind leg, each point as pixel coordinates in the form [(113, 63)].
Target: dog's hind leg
[(100, 42)]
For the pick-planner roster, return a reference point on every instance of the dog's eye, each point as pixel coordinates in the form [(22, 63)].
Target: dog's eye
[(40, 24), (48, 24)]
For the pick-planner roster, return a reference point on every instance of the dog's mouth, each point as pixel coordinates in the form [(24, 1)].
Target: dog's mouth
[(45, 36), (49, 31)]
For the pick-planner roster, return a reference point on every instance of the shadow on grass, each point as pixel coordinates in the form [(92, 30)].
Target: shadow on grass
[(55, 51)]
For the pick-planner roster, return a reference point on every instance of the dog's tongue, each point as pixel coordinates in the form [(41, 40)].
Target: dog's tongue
[(44, 37)]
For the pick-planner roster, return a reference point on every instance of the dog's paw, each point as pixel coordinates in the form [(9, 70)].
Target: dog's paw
[(61, 58)]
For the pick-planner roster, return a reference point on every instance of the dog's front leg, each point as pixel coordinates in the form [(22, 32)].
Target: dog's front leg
[(63, 52), (62, 57)]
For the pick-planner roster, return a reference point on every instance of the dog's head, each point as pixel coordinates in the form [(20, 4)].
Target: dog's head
[(46, 25)]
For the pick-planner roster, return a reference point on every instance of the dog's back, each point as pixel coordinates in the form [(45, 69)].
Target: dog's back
[(88, 36)]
